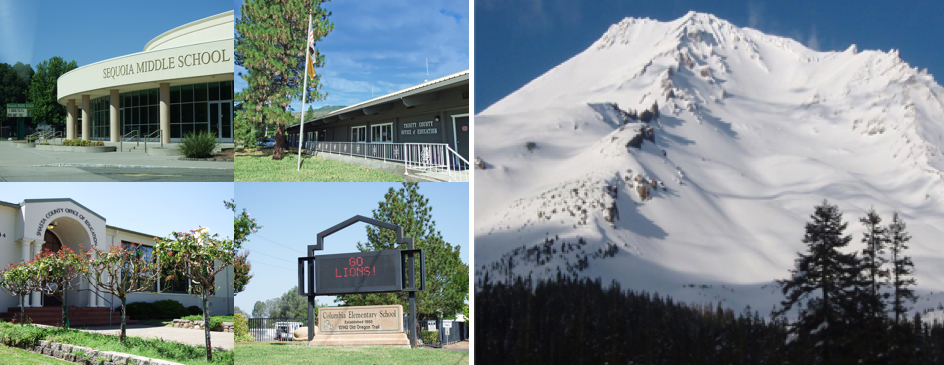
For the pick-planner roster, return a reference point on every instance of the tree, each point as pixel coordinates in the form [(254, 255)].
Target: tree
[(875, 241), (447, 285), (270, 45), (55, 273), (237, 310), (243, 226), (827, 271), (290, 305), (200, 256), (19, 279), (43, 90), (259, 310), (902, 268), (13, 85), (121, 271)]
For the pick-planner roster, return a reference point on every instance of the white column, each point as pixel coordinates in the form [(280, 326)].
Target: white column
[(114, 125), (70, 120), (25, 253), (37, 247), (165, 112), (86, 118), (92, 302)]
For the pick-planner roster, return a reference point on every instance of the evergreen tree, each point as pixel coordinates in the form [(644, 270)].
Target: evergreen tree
[(873, 261), (270, 44), (822, 279), (447, 277), (902, 268), (12, 88), (43, 90)]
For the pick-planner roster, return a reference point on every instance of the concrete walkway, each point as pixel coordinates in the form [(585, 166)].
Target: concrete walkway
[(219, 340), (29, 164)]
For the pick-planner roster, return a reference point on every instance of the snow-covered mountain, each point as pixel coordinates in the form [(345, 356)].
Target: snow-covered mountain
[(753, 131)]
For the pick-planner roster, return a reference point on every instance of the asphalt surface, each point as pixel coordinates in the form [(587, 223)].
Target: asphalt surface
[(31, 165)]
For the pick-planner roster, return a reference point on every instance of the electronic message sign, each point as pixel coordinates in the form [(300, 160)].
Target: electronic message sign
[(359, 272)]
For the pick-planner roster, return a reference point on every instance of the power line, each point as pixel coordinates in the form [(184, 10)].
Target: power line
[(277, 258), (263, 263), (280, 244)]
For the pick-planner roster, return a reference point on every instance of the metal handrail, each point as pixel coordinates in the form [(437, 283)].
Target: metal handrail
[(35, 134), (433, 158), (110, 304), (53, 135), (121, 141), (159, 137)]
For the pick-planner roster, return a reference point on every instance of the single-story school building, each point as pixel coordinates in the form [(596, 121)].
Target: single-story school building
[(182, 82), (29, 227), (434, 112)]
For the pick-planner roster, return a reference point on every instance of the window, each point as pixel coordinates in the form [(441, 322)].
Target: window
[(359, 134), (141, 251), (381, 133)]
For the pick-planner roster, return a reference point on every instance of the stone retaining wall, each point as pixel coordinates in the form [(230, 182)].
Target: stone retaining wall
[(89, 356), (227, 327)]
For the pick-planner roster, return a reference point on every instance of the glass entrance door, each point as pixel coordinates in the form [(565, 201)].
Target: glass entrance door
[(221, 120)]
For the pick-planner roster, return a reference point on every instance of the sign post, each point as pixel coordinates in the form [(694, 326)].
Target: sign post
[(361, 272), (20, 111)]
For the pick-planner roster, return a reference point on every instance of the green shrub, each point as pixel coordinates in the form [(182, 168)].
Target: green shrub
[(169, 309), (198, 144), (429, 337), (81, 143), (241, 328), (194, 310), (139, 310), (30, 138)]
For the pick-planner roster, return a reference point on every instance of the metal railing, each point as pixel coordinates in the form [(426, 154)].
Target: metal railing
[(121, 141), (275, 329), (419, 158), (149, 136), (111, 307), (53, 135)]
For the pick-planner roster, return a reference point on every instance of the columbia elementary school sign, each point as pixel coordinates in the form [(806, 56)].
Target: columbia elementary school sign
[(357, 273)]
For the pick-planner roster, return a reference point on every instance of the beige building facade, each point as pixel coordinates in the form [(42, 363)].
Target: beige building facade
[(181, 82), (29, 227)]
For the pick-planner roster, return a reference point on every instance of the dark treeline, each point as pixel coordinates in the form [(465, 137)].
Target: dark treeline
[(582, 321), (839, 308)]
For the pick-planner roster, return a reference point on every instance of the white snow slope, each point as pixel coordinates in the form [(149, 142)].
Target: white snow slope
[(763, 130)]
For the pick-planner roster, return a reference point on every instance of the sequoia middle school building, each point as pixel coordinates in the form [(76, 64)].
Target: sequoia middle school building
[(182, 82), (34, 225)]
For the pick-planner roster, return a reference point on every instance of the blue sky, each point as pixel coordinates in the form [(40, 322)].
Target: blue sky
[(385, 43), (152, 208), (517, 41), (88, 32), (292, 214)]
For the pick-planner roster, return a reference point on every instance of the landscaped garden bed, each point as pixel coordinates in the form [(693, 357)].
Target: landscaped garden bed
[(91, 348)]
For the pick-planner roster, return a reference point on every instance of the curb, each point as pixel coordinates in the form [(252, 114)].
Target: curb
[(125, 166), (88, 356)]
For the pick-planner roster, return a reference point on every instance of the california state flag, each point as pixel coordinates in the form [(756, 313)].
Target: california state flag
[(311, 53)]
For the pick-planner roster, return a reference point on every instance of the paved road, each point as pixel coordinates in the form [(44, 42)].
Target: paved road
[(219, 340), (29, 164)]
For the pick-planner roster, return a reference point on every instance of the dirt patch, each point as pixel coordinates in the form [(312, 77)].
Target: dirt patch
[(461, 345), (225, 154)]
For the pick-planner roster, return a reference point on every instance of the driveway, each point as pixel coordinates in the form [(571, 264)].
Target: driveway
[(219, 340)]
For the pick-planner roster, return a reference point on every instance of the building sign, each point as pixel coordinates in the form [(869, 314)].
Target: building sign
[(73, 212), (425, 127), (19, 110), (359, 272), (168, 63), (361, 320)]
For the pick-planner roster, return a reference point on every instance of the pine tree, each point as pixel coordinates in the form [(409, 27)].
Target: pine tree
[(875, 241), (822, 279), (270, 44), (902, 268), (447, 277)]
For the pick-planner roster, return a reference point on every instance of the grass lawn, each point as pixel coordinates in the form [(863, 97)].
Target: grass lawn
[(18, 335), (261, 167), (13, 355), (300, 353)]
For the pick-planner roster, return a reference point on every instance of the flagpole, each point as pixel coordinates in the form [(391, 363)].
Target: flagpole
[(301, 131)]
